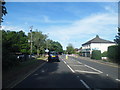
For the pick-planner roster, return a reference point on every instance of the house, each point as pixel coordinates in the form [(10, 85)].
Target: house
[(96, 43), (77, 50)]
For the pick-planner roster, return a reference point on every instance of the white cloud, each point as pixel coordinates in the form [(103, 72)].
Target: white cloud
[(44, 19), (13, 28), (104, 23)]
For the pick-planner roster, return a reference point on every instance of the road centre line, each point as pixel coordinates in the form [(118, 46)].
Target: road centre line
[(86, 72), (93, 68), (64, 62), (70, 68), (79, 62), (78, 65), (85, 84)]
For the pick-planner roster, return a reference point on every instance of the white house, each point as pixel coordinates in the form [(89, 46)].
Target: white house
[(96, 43)]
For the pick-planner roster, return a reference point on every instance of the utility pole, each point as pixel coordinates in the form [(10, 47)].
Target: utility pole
[(31, 41)]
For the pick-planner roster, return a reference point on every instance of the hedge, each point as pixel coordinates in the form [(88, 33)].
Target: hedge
[(96, 54), (113, 53), (105, 54)]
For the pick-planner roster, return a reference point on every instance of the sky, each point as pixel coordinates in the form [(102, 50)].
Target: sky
[(65, 22)]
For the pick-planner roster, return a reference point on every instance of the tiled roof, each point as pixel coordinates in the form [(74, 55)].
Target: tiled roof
[(97, 39)]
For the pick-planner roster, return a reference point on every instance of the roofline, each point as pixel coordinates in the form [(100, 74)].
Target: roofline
[(97, 42)]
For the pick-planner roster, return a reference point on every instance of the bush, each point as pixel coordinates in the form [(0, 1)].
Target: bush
[(9, 61), (96, 54), (113, 53), (104, 54)]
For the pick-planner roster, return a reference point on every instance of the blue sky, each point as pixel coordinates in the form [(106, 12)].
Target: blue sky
[(65, 22)]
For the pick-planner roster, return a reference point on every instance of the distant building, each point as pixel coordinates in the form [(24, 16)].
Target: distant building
[(77, 50), (96, 43)]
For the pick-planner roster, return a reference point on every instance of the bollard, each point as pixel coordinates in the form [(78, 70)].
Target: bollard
[(66, 56)]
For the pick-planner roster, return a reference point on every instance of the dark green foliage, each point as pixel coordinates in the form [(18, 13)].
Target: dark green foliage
[(12, 43), (104, 54), (3, 9), (54, 46), (113, 53), (15, 43), (96, 54), (117, 40), (70, 49)]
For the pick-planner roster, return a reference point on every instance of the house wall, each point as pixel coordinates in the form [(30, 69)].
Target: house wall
[(95, 46), (86, 46), (101, 46)]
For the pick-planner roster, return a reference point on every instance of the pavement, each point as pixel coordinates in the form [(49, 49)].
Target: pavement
[(98, 61)]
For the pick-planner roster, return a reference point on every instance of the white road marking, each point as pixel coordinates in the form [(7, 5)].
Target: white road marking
[(77, 65), (64, 62), (79, 62), (106, 74), (84, 84), (71, 69), (27, 75), (94, 69), (118, 80), (86, 72)]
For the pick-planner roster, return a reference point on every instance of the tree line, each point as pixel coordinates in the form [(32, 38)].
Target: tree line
[(15, 43)]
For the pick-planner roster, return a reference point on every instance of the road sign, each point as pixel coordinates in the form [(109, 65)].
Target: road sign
[(46, 50)]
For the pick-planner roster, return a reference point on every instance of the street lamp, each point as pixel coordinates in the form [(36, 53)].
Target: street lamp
[(31, 40)]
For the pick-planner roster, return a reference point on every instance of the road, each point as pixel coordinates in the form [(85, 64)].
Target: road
[(71, 73)]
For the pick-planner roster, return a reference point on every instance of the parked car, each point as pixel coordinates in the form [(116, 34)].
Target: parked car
[(53, 56)]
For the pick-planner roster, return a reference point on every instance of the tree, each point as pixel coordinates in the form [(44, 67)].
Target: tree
[(38, 40), (3, 9), (117, 40), (56, 46), (70, 49), (15, 41)]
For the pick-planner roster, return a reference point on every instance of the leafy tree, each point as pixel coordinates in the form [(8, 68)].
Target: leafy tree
[(38, 40), (117, 40), (56, 46), (70, 49), (3, 9), (15, 41)]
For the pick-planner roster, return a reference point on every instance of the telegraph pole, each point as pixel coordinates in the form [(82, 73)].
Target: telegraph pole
[(31, 41)]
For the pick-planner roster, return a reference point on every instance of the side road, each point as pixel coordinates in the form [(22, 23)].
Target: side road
[(14, 76), (98, 61)]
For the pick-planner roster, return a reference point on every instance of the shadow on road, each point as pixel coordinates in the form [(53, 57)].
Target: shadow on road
[(52, 75)]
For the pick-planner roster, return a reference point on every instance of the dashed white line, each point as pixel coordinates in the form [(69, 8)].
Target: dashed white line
[(85, 84), (94, 69), (118, 80), (71, 69), (77, 65), (86, 72), (79, 62), (106, 74), (64, 62)]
